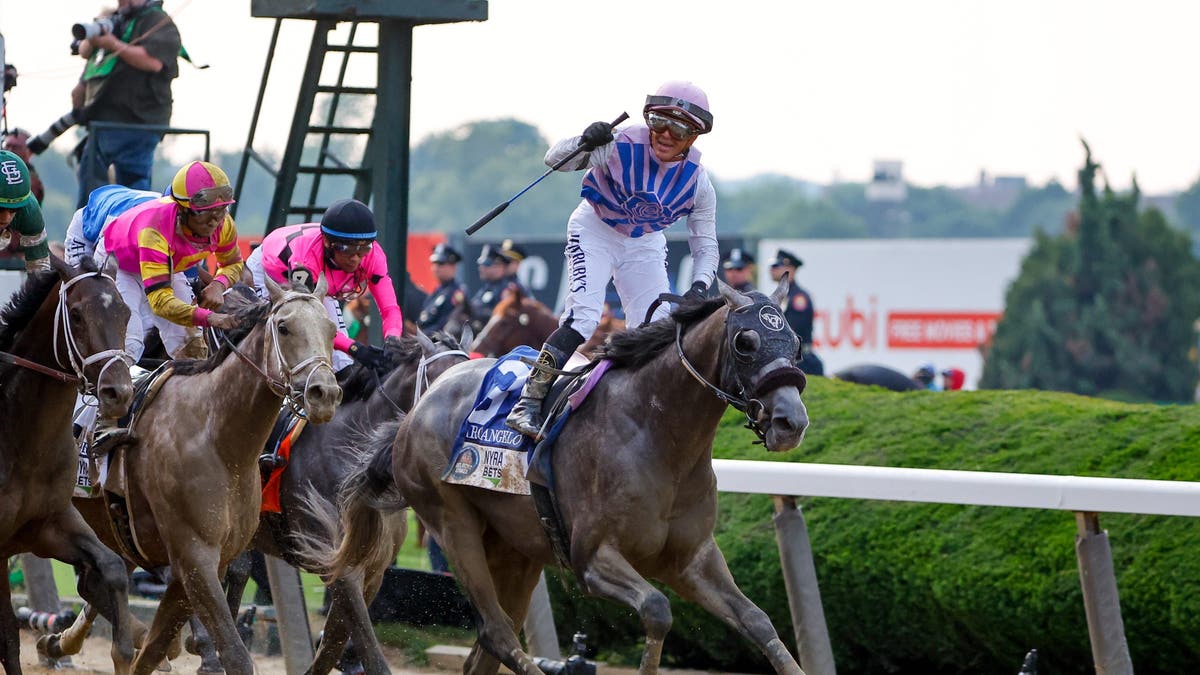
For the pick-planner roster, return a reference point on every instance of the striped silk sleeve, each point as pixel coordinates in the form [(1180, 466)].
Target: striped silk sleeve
[(229, 258), (154, 260)]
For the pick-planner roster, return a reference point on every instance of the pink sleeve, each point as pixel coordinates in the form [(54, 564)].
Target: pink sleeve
[(385, 299), (342, 342)]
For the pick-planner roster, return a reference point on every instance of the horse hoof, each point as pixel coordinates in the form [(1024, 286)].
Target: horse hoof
[(164, 667), (48, 646), (209, 671)]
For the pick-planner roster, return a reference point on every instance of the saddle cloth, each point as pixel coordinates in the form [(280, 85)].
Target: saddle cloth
[(287, 429), (487, 453)]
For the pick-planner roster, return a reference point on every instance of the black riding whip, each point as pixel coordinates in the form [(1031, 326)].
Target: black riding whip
[(499, 208)]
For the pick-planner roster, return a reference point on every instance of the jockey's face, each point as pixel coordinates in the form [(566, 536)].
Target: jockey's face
[(6, 217), (348, 255), (204, 223)]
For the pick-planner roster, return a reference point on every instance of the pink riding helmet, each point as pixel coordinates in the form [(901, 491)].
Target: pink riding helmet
[(685, 99)]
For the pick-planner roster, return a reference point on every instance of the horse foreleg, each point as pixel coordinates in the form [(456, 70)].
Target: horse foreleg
[(103, 579), (461, 537), (348, 617), (197, 569), (608, 575), (10, 647), (334, 635), (172, 613), (520, 576), (201, 644), (707, 582)]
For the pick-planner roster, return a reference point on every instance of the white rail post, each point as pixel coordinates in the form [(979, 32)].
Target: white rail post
[(540, 632), (800, 581), (295, 636), (1100, 600)]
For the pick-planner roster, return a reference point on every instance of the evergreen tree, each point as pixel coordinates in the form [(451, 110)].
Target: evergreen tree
[(1107, 308)]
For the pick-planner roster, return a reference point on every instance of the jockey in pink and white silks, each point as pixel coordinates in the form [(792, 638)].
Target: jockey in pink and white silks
[(640, 180), (342, 248), (157, 241)]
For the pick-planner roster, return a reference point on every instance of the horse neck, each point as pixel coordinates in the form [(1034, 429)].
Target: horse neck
[(37, 341), (690, 410), (250, 404)]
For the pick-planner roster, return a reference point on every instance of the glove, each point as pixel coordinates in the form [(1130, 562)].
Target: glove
[(697, 293), (370, 356), (595, 135), (36, 145)]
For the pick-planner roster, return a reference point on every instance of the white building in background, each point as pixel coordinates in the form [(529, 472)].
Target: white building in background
[(903, 302), (887, 182)]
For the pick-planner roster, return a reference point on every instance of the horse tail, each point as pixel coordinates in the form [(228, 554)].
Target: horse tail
[(371, 519)]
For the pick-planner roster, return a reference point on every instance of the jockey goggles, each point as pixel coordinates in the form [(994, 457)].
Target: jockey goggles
[(680, 131), (211, 198), (352, 248)]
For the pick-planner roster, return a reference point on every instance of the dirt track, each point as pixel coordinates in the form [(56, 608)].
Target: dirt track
[(95, 659)]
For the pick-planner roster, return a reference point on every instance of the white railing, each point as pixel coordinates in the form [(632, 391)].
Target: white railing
[(1085, 496)]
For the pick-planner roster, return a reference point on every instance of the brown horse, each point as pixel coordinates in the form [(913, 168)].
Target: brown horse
[(633, 466), (192, 485), (320, 459), (62, 332)]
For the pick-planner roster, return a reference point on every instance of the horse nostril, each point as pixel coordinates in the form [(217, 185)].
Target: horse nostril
[(114, 394)]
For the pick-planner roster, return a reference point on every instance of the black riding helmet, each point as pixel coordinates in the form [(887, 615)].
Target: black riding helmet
[(348, 219)]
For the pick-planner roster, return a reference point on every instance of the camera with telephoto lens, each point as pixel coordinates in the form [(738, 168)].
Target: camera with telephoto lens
[(101, 26), (38, 143)]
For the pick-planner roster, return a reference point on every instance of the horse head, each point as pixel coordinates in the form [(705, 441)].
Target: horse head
[(516, 320), (301, 343), (90, 323), (760, 350)]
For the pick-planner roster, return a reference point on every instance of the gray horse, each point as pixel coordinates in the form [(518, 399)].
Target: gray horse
[(633, 466)]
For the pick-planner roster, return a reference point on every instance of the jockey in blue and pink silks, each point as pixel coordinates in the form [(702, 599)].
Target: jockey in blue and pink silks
[(638, 183)]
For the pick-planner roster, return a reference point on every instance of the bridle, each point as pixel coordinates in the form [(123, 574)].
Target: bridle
[(78, 362), (422, 376), (284, 385), (745, 400)]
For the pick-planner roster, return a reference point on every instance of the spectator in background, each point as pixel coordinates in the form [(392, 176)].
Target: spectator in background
[(492, 269), (450, 294), (798, 310), (127, 79), (514, 254), (739, 269), (953, 379), (926, 376)]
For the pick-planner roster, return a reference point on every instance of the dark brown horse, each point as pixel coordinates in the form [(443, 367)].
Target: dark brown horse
[(320, 459), (633, 467), (66, 330), (192, 488)]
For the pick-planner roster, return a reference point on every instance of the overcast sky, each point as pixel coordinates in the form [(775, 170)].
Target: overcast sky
[(815, 90)]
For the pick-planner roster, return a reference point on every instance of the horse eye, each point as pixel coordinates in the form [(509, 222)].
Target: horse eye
[(76, 316), (746, 342), (283, 329)]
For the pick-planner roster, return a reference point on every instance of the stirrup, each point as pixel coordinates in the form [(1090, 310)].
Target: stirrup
[(269, 461)]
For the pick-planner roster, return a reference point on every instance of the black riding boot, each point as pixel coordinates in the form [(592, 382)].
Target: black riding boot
[(526, 415)]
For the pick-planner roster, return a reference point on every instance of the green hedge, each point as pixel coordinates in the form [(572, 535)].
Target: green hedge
[(937, 588)]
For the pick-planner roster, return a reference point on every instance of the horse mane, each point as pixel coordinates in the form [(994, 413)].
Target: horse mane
[(24, 304), (637, 347), (249, 310), (358, 382)]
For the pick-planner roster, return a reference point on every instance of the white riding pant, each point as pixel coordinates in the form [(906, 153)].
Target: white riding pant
[(596, 253), (332, 306), (141, 317), (76, 245)]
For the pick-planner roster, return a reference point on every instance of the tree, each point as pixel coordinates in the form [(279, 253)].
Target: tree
[(1107, 308)]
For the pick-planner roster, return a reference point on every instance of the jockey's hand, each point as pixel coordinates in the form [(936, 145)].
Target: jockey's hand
[(595, 135), (697, 292), (222, 321), (213, 296), (370, 356)]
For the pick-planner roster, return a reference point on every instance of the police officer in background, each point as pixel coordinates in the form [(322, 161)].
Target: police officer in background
[(513, 255), (449, 295), (492, 270), (739, 268), (798, 310)]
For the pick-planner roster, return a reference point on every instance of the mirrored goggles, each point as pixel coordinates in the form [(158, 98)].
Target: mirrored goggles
[(352, 248), (680, 131)]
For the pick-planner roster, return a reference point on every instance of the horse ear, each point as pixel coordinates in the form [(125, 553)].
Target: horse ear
[(110, 267), (781, 292), (467, 335), (427, 345), (274, 291), (322, 288), (65, 271), (733, 297)]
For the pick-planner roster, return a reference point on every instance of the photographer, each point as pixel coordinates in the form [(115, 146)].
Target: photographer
[(131, 63)]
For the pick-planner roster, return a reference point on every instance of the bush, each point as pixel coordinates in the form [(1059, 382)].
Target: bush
[(939, 588)]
